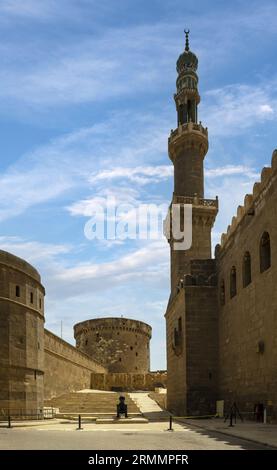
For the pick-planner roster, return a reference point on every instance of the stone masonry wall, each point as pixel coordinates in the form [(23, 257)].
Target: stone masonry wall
[(176, 357), (21, 337), (129, 381), (248, 320), (65, 368), (192, 342)]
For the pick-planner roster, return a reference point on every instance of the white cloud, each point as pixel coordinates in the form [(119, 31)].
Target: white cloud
[(26, 8), (33, 251), (114, 62), (230, 170), (144, 262), (68, 162), (233, 109), (266, 109), (140, 175)]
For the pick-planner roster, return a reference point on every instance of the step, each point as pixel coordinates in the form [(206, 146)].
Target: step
[(122, 421)]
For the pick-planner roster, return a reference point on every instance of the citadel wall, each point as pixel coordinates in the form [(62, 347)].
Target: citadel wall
[(65, 368), (248, 300)]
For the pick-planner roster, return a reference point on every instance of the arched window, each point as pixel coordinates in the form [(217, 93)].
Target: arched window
[(233, 282), (265, 252), (222, 292), (246, 269)]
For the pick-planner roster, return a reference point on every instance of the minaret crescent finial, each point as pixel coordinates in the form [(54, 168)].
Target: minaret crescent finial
[(187, 39)]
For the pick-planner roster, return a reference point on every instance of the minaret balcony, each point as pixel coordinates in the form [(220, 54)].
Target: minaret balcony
[(187, 128), (188, 136), (196, 201)]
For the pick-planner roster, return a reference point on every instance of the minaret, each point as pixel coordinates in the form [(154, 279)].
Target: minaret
[(187, 147)]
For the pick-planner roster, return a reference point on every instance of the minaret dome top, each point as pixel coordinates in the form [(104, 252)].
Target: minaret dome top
[(187, 60)]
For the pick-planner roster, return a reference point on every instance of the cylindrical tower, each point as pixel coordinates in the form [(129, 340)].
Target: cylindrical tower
[(120, 344), (21, 336), (187, 147)]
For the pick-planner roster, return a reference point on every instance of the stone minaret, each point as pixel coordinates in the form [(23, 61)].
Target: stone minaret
[(187, 147)]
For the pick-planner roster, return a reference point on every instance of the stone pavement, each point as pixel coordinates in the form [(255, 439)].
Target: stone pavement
[(259, 433), (152, 436), (200, 432)]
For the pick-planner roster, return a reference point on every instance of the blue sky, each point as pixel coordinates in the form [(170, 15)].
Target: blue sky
[(85, 111)]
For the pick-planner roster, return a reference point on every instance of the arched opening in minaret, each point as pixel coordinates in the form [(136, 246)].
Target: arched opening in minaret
[(189, 111)]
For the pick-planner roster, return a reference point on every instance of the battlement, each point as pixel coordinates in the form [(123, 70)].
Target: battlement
[(188, 128), (252, 201)]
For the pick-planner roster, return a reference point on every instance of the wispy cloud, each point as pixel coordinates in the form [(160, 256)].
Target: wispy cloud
[(231, 170), (140, 175), (233, 109), (33, 251), (27, 8), (68, 162)]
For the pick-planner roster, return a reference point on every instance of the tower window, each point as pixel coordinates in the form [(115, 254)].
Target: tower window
[(233, 282), (222, 292), (265, 252), (31, 297), (136, 354), (180, 323), (246, 269), (119, 359), (131, 347), (17, 291), (40, 303)]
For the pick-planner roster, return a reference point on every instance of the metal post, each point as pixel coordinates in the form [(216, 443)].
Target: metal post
[(264, 415), (80, 424), (9, 422), (231, 419), (170, 423)]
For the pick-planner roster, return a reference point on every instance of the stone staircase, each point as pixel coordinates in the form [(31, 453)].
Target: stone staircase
[(92, 404), (148, 407)]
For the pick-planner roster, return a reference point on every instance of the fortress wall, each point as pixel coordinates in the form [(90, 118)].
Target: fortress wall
[(65, 368), (129, 381), (248, 320)]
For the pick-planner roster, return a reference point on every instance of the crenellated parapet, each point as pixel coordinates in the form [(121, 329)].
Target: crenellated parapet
[(252, 201)]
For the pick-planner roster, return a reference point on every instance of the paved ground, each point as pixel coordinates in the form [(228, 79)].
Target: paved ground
[(152, 436), (256, 432)]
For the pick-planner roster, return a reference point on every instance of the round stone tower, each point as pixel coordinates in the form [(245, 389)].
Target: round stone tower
[(21, 336), (120, 344)]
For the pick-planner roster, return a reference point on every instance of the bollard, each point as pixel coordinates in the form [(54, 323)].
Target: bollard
[(80, 424), (170, 424), (9, 422), (231, 420), (264, 415)]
